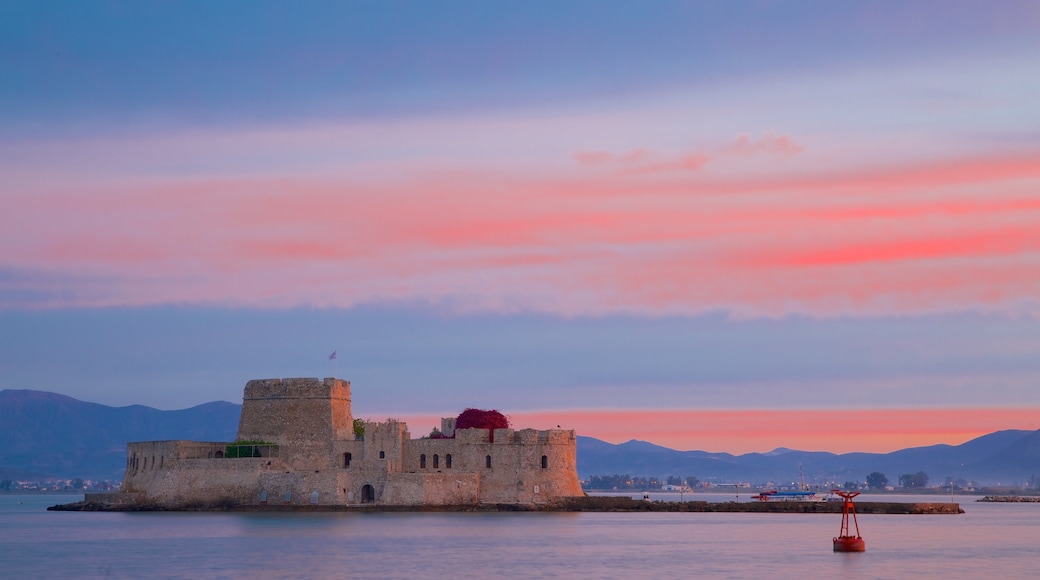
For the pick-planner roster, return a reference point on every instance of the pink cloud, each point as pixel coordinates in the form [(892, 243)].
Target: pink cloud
[(606, 157), (940, 234), (646, 161), (745, 146), (594, 157), (690, 162)]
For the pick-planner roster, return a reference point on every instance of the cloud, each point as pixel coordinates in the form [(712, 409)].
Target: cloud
[(645, 160), (631, 157), (1000, 242), (638, 230), (642, 160), (745, 146), (689, 162)]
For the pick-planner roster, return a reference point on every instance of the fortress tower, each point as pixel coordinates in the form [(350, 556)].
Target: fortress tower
[(303, 416)]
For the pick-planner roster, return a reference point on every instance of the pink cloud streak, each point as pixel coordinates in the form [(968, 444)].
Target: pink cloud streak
[(938, 234), (649, 161)]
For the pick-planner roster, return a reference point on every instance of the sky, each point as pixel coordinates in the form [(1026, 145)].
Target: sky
[(725, 226)]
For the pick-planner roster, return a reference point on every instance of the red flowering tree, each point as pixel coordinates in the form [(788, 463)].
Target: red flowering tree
[(481, 419)]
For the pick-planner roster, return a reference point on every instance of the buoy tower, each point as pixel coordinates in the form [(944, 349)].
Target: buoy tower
[(845, 541)]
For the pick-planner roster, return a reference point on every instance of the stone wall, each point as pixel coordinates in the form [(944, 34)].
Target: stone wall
[(314, 458), (526, 466)]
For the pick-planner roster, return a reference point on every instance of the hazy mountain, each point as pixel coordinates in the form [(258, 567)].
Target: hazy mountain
[(47, 434), (1006, 457)]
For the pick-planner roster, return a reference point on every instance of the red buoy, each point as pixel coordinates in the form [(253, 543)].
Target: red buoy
[(845, 541)]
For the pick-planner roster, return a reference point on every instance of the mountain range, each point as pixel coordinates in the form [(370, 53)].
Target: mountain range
[(51, 435), (1010, 457)]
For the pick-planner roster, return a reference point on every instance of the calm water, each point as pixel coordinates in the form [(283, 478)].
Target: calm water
[(989, 541)]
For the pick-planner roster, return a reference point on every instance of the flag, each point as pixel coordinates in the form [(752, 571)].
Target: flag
[(332, 356)]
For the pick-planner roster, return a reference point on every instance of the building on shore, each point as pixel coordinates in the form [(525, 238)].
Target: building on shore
[(296, 445)]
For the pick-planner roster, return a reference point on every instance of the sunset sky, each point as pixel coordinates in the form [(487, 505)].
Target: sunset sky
[(726, 226)]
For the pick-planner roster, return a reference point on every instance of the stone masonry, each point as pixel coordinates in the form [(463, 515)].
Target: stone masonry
[(296, 446)]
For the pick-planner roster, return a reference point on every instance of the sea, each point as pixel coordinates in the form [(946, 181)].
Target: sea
[(990, 540)]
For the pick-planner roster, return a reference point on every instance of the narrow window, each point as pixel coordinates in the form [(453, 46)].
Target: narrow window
[(382, 454), (145, 468), (545, 461), (422, 461), (436, 461), (487, 462), (346, 459), (447, 461), (162, 461)]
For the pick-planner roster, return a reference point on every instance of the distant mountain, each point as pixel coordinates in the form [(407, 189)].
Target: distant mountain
[(1004, 457), (46, 434)]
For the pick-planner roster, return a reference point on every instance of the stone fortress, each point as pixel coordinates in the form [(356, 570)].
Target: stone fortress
[(296, 445)]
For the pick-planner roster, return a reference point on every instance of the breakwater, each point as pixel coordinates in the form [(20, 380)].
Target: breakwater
[(627, 504), (576, 504)]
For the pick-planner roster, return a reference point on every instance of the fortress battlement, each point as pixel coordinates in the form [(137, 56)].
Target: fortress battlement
[(305, 388)]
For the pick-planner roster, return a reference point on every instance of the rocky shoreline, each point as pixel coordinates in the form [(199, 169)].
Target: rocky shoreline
[(579, 504), (1010, 499)]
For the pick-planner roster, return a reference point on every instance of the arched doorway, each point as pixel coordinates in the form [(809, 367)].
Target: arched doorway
[(368, 494)]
